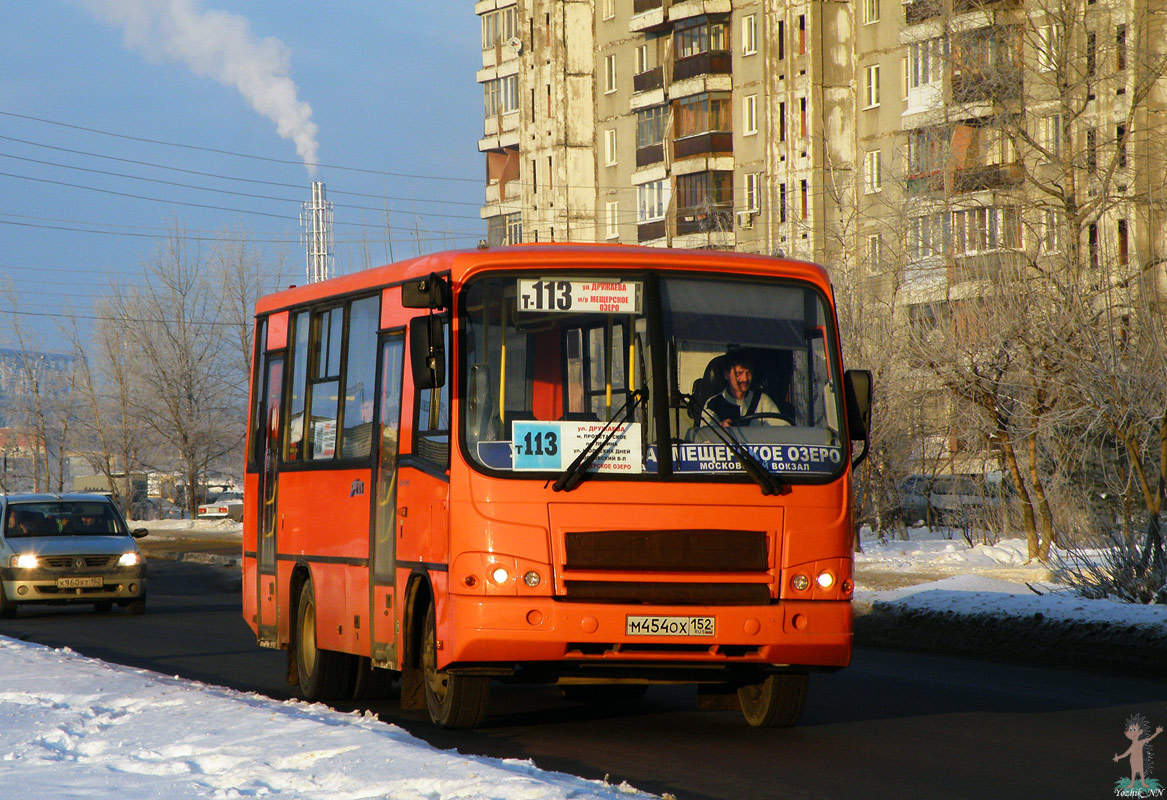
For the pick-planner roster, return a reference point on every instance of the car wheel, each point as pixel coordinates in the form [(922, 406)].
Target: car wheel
[(775, 702), (454, 701), (324, 674)]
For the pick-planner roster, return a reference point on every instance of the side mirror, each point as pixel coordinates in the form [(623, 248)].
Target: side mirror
[(427, 352), (431, 292), (857, 395), (139, 533)]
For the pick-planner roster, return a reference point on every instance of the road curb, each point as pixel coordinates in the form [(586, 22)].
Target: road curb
[(1033, 639)]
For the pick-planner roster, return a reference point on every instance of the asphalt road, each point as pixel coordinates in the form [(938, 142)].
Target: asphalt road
[(896, 725)]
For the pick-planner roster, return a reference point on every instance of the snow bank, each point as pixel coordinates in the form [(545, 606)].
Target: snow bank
[(74, 727)]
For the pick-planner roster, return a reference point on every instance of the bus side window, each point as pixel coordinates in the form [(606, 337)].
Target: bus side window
[(431, 441)]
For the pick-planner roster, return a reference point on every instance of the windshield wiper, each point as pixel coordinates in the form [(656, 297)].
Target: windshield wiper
[(575, 471), (770, 483)]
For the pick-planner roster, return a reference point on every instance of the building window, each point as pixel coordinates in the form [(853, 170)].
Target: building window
[(703, 113), (749, 35), (1049, 47), (612, 211), (802, 34), (978, 230), (782, 202), (609, 74), (1120, 145), (1120, 47), (652, 201), (750, 115), (875, 252), (781, 39), (870, 11), (805, 198), (872, 86), (1091, 150), (501, 95), (782, 121), (650, 126), (1123, 243), (699, 35), (1051, 226), (642, 59), (1049, 136), (872, 172), (499, 27), (609, 9), (610, 147), (514, 228), (753, 191)]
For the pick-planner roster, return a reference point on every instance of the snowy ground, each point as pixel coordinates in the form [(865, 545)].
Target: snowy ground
[(73, 727)]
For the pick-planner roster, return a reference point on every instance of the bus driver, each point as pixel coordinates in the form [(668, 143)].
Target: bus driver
[(739, 399)]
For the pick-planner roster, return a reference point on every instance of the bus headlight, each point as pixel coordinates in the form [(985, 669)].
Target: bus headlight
[(25, 561), (500, 575), (129, 560), (826, 580)]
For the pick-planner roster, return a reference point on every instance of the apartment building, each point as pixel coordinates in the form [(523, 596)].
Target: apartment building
[(918, 142)]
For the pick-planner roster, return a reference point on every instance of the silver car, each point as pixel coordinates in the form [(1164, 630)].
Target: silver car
[(70, 548)]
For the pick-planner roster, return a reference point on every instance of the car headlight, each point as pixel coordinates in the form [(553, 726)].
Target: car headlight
[(129, 560), (25, 561)]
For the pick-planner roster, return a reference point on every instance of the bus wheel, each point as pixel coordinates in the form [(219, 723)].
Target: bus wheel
[(371, 683), (454, 701), (776, 702), (324, 674)]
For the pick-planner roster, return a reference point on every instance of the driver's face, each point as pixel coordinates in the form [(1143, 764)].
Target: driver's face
[(739, 377)]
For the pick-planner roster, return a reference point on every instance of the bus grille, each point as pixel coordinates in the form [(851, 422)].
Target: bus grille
[(667, 551), (669, 594)]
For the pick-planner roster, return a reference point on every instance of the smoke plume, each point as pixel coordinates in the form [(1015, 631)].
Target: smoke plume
[(219, 45)]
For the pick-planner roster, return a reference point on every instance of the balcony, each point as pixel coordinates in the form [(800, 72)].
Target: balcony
[(647, 81), (917, 11), (703, 144), (705, 219), (925, 182), (714, 62), (650, 154), (988, 86), (992, 176), (647, 15), (641, 6), (648, 231)]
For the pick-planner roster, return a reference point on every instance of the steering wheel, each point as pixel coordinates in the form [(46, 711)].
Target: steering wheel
[(745, 420)]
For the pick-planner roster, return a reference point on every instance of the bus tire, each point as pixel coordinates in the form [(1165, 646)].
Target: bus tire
[(369, 682), (775, 702), (453, 701), (324, 674)]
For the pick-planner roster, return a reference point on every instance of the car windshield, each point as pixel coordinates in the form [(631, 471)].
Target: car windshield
[(62, 518), (228, 497), (553, 362)]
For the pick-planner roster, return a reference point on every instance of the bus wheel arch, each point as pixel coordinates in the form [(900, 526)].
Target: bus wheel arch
[(452, 699), (322, 674), (418, 598)]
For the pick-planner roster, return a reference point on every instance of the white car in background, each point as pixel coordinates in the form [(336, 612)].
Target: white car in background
[(228, 505)]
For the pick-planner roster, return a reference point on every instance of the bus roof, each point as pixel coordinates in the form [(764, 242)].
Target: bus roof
[(460, 264)]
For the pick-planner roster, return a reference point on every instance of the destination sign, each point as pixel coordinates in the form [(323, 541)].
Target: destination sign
[(580, 297)]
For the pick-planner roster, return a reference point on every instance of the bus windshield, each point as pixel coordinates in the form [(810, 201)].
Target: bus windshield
[(557, 363)]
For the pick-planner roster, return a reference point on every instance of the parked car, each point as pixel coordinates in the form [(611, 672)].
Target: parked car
[(69, 548), (228, 505), (954, 499)]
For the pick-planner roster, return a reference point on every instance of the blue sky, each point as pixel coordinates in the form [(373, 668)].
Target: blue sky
[(392, 94)]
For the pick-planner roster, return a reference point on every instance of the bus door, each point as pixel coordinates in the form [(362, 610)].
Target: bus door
[(383, 547), (268, 522)]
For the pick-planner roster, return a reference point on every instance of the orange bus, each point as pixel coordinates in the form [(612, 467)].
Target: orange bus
[(597, 466)]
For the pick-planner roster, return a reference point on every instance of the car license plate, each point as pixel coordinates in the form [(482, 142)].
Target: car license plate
[(670, 626), (80, 583)]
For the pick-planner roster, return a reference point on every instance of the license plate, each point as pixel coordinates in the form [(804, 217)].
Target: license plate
[(670, 626), (80, 583)]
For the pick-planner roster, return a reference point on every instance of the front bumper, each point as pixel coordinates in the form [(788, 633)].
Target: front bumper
[(498, 630), (45, 586)]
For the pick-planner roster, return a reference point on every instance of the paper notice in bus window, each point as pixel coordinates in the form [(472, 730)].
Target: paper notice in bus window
[(324, 438), (554, 445), (580, 297)]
